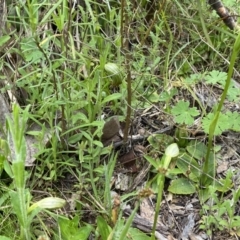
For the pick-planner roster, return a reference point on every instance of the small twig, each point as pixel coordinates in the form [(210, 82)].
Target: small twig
[(129, 98), (138, 179), (121, 29)]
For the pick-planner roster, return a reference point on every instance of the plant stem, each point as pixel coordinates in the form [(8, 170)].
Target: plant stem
[(159, 199), (161, 180), (213, 125), (129, 98), (127, 53)]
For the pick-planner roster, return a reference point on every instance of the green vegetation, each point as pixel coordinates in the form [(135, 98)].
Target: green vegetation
[(79, 78)]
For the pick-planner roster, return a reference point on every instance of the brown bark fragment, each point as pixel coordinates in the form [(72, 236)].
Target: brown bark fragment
[(223, 13)]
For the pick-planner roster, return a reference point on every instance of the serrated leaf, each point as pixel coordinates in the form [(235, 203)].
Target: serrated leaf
[(167, 95), (193, 79), (223, 123), (235, 120), (214, 77), (182, 186), (183, 113), (225, 184), (30, 50), (233, 94)]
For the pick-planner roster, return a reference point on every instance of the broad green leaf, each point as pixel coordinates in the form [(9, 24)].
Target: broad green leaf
[(197, 150), (103, 227), (70, 230), (4, 238), (4, 39), (173, 172), (97, 143), (134, 233), (75, 138), (182, 186), (18, 172), (152, 161), (208, 176), (154, 97), (204, 194), (80, 117), (189, 167), (224, 185), (181, 135), (112, 97), (17, 206), (118, 229)]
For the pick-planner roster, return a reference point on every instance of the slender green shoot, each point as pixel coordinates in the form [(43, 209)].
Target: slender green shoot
[(171, 152), (19, 200), (206, 179)]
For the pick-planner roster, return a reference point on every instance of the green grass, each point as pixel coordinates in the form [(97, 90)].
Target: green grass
[(74, 66)]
